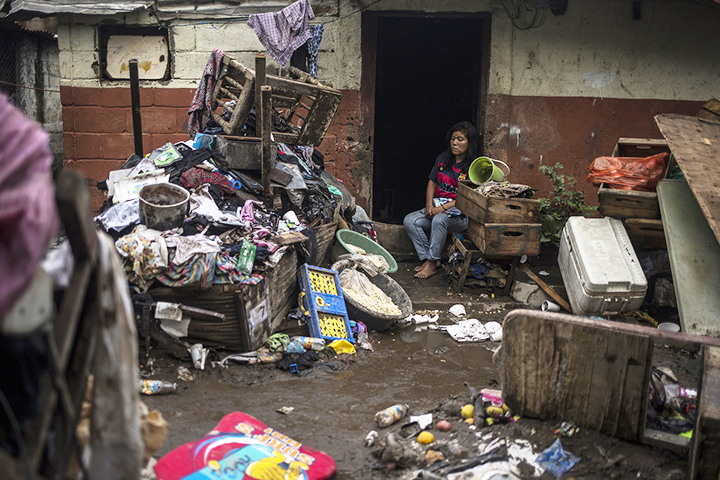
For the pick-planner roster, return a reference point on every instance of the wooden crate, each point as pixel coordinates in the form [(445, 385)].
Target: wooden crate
[(484, 209), (628, 203), (505, 240), (645, 232)]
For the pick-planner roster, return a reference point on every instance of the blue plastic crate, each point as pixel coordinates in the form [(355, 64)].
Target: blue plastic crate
[(323, 300)]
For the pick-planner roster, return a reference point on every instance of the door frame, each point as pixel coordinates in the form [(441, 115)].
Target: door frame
[(368, 53)]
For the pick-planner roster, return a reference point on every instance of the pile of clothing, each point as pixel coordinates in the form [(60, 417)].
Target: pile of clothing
[(227, 234)]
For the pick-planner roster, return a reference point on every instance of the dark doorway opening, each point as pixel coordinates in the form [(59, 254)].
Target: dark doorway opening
[(428, 77)]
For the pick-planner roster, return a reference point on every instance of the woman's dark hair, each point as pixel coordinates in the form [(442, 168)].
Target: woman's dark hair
[(473, 150)]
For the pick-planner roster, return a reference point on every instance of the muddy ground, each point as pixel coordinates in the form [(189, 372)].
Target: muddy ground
[(333, 407)]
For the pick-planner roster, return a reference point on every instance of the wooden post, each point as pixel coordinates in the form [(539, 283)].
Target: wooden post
[(135, 100), (260, 79), (267, 160)]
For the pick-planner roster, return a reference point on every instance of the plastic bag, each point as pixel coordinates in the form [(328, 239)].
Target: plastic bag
[(351, 279), (556, 460), (628, 173)]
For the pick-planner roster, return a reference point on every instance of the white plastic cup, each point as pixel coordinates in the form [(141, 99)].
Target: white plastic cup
[(548, 306)]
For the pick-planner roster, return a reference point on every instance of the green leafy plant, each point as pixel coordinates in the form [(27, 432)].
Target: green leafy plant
[(563, 202)]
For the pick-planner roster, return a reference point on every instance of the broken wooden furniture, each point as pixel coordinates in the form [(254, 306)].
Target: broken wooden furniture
[(49, 438), (305, 105), (596, 374), (470, 256)]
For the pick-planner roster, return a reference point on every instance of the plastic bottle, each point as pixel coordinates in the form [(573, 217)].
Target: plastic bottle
[(391, 415), (156, 387), (310, 343)]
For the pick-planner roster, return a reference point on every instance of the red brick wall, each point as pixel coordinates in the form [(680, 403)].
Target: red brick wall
[(98, 127)]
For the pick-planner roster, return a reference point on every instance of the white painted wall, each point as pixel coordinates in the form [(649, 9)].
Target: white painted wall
[(594, 50)]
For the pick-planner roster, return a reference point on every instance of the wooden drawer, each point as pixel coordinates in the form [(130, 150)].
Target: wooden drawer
[(505, 240), (484, 209), (627, 203), (645, 232)]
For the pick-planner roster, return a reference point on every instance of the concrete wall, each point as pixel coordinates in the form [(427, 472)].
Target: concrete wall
[(563, 92), (38, 73)]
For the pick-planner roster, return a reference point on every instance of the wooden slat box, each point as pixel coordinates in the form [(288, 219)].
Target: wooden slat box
[(646, 232), (628, 203), (505, 240), (484, 209)]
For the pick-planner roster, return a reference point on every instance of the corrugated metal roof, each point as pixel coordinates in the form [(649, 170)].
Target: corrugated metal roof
[(165, 9)]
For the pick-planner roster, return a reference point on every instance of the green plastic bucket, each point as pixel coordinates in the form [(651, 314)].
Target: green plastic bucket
[(344, 237), (484, 169)]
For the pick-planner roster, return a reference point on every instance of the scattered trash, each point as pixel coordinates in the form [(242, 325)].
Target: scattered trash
[(458, 310), (467, 411), (242, 446), (343, 346), (410, 429), (567, 429), (310, 343), (543, 273), (391, 415), (555, 460), (423, 420), (425, 437), (494, 329), (156, 387), (198, 355), (433, 456), (548, 306), (185, 375), (470, 330), (285, 410), (443, 426), (371, 438)]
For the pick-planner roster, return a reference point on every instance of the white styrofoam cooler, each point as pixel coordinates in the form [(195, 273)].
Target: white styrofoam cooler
[(599, 267)]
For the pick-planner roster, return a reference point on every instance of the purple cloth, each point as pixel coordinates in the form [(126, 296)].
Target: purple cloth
[(203, 95), (28, 214), (281, 33)]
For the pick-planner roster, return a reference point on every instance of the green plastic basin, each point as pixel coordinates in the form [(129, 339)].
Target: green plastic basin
[(344, 237)]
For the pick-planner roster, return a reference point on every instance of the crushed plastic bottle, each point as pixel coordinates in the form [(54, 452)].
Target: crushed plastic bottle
[(156, 387), (391, 415)]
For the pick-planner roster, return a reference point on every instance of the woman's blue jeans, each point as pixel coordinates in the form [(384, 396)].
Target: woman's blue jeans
[(418, 225)]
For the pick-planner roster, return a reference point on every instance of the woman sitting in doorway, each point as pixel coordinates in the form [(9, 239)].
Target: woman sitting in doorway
[(440, 215)]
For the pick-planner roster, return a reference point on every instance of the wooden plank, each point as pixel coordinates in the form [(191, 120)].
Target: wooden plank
[(640, 147), (669, 441), (705, 451), (253, 306), (74, 208), (545, 287), (633, 405), (695, 144)]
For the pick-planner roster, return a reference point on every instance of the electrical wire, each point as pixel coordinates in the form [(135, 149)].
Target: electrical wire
[(18, 435), (520, 16)]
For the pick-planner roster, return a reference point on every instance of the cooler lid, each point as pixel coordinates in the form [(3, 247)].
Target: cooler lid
[(606, 260)]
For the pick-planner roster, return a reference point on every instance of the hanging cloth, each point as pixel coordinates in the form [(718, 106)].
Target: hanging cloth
[(313, 47), (281, 33), (203, 95)]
